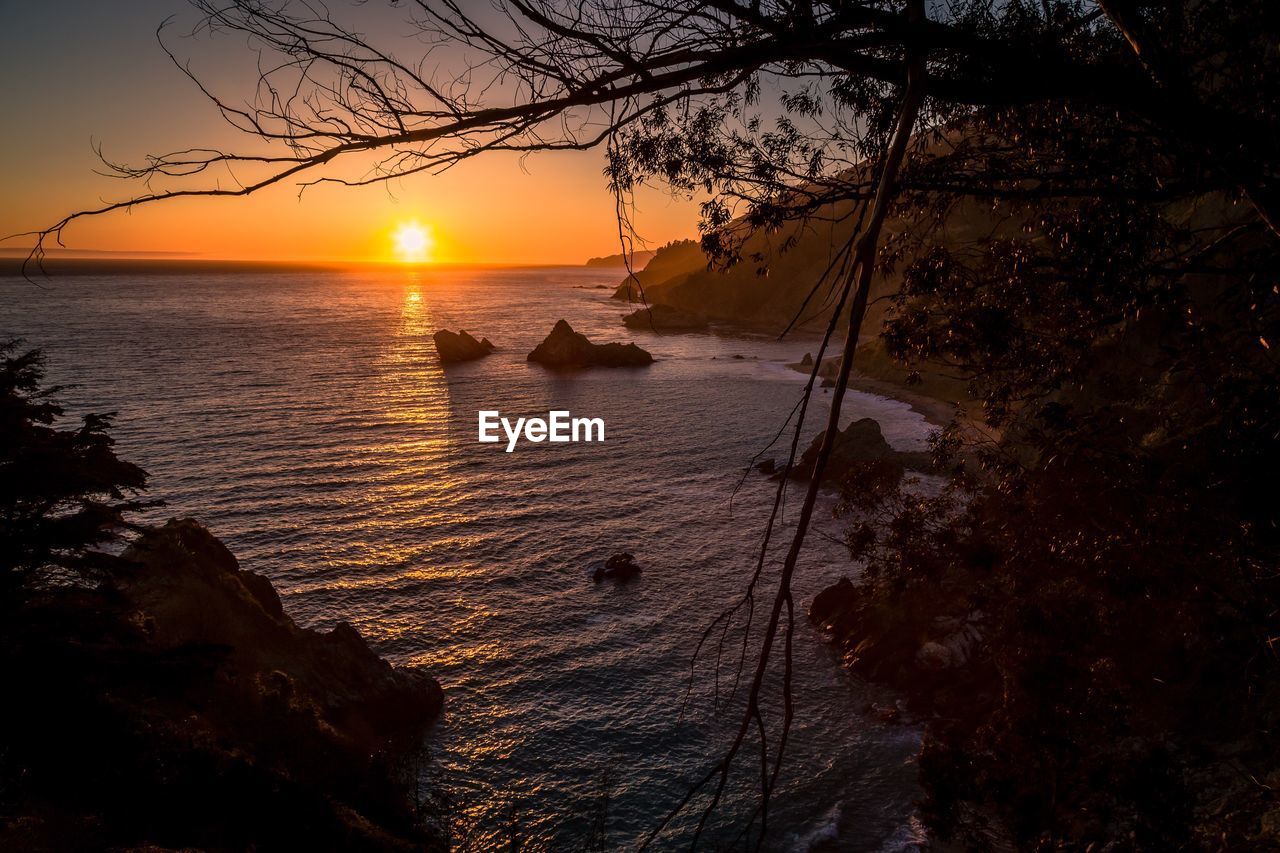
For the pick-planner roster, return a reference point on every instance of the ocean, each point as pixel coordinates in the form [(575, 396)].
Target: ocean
[(304, 417)]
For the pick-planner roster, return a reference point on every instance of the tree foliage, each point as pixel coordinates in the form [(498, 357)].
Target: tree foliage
[(63, 491)]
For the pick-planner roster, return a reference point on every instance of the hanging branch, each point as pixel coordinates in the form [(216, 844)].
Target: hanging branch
[(859, 280)]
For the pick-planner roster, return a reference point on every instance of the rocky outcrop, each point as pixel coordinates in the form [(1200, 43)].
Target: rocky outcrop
[(191, 591), (193, 713), (566, 348), (619, 567), (860, 444), (923, 647), (664, 318), (460, 347)]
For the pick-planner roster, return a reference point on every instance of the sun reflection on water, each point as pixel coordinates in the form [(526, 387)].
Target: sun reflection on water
[(411, 492)]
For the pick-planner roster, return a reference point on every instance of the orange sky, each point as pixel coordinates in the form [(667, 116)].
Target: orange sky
[(82, 70)]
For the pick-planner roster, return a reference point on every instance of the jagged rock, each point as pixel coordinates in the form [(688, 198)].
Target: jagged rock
[(768, 467), (832, 602), (460, 347), (566, 348), (199, 716), (621, 567), (628, 291), (830, 368), (827, 371), (860, 442), (664, 317), (193, 592)]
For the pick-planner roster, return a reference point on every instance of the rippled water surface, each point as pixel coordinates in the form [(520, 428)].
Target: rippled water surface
[(305, 418)]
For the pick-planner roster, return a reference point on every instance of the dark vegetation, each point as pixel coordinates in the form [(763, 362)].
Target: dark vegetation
[(661, 318), (1071, 207), (160, 696), (1115, 552)]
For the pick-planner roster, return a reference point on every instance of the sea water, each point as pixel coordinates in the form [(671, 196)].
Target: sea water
[(304, 417)]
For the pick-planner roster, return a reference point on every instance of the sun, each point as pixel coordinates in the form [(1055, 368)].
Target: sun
[(413, 243)]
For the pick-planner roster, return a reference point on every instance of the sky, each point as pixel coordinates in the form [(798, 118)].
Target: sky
[(75, 73)]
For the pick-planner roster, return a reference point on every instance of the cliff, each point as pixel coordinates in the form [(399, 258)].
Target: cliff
[(178, 705), (672, 263), (638, 259), (767, 288)]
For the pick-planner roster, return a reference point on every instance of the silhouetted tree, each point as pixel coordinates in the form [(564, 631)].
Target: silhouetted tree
[(63, 491)]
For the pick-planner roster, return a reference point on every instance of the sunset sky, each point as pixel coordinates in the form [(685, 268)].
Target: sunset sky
[(108, 81)]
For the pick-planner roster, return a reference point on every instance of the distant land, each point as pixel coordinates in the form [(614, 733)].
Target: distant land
[(156, 264), (24, 251), (638, 260)]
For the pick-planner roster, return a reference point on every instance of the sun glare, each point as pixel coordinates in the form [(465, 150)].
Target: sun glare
[(413, 243)]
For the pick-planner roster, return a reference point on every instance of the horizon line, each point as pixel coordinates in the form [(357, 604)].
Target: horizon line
[(13, 264), (10, 258)]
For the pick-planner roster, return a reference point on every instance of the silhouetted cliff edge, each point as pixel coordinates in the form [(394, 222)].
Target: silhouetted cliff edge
[(179, 706), (680, 279)]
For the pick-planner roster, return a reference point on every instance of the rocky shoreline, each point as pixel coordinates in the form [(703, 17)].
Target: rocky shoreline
[(940, 408), (192, 712), (937, 411)]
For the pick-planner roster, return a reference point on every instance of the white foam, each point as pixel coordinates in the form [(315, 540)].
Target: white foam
[(828, 829)]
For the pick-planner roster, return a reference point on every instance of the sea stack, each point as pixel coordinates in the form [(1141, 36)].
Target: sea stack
[(566, 348), (460, 347), (860, 443)]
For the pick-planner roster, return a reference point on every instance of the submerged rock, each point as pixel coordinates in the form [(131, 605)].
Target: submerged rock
[(664, 317), (566, 348), (621, 567), (460, 347)]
